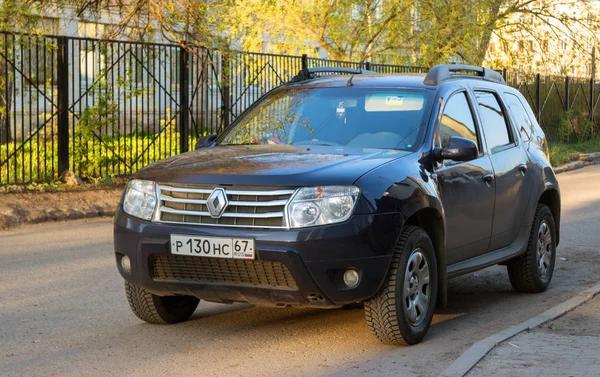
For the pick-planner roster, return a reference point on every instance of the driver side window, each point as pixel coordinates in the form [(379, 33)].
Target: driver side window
[(457, 120)]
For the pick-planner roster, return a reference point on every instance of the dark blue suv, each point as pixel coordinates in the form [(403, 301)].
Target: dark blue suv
[(347, 188)]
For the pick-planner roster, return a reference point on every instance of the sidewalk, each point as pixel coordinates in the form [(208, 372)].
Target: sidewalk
[(567, 346)]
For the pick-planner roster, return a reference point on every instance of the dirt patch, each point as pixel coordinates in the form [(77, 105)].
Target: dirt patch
[(36, 207)]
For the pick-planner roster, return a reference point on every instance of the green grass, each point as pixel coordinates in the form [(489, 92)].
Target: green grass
[(562, 153), (37, 160)]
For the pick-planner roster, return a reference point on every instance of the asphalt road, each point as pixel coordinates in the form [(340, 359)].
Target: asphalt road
[(63, 312)]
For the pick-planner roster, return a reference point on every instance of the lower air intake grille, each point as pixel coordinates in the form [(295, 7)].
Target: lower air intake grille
[(220, 270)]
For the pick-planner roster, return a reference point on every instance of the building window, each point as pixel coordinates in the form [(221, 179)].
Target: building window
[(91, 59), (90, 30)]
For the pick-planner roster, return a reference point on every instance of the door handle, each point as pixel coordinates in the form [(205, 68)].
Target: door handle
[(489, 179), (523, 169)]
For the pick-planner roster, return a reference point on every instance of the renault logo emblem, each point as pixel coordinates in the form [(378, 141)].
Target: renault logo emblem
[(216, 203)]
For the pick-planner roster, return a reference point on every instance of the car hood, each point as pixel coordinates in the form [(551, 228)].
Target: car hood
[(277, 165)]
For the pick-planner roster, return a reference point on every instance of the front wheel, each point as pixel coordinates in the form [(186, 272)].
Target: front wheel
[(159, 309), (402, 311)]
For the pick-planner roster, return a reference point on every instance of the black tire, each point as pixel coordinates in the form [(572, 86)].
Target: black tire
[(159, 309), (386, 313), (524, 272)]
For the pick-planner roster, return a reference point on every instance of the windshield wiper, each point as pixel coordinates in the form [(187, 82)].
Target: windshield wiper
[(223, 145), (317, 144)]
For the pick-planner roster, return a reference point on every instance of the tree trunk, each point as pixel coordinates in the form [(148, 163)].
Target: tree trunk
[(486, 35), (484, 43)]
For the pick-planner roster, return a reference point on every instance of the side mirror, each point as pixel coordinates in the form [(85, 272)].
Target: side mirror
[(458, 149), (205, 141)]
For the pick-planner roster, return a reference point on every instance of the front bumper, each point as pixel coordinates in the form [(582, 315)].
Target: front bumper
[(315, 257)]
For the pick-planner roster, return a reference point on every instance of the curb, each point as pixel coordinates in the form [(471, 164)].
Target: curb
[(24, 208), (585, 159), (7, 222), (465, 362), (574, 166)]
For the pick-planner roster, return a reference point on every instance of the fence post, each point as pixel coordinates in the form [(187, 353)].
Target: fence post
[(538, 99), (505, 74), (592, 79), (62, 88), (567, 95), (184, 58), (368, 66), (226, 107), (304, 62)]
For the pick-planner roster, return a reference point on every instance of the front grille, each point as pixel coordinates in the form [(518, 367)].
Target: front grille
[(257, 207), (220, 270)]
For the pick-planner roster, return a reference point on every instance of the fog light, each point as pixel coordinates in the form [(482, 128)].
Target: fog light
[(126, 264), (351, 278)]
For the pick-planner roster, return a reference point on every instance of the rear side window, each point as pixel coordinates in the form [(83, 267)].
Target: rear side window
[(457, 120), (494, 121), (522, 118)]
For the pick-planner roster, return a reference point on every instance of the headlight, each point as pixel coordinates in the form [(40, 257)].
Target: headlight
[(140, 199), (322, 205)]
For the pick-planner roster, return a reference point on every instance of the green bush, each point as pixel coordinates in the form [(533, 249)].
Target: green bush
[(90, 157), (575, 127)]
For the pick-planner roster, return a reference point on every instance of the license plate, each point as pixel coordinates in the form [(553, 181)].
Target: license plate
[(213, 247)]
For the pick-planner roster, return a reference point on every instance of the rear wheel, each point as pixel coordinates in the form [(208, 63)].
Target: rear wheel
[(533, 271), (159, 309), (401, 312)]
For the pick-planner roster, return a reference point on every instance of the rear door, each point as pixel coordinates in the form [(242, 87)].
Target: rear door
[(467, 198), (510, 164)]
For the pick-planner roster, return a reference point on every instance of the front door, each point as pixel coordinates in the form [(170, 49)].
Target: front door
[(466, 188)]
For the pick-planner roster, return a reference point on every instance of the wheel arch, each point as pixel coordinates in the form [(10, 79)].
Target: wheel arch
[(551, 198), (431, 220)]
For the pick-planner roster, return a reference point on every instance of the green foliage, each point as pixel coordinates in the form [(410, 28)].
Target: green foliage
[(52, 186), (565, 128), (562, 153), (106, 157), (94, 119), (575, 127)]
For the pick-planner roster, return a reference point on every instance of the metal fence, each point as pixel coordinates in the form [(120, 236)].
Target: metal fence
[(565, 107), (107, 108)]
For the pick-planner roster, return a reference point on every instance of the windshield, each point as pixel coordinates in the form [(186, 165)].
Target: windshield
[(381, 118)]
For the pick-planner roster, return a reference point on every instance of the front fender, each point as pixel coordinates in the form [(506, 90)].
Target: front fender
[(416, 198)]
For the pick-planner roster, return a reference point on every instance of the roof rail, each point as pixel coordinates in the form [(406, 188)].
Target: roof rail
[(445, 72), (311, 73)]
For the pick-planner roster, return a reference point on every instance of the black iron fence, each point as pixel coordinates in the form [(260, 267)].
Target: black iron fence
[(565, 107), (107, 108)]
